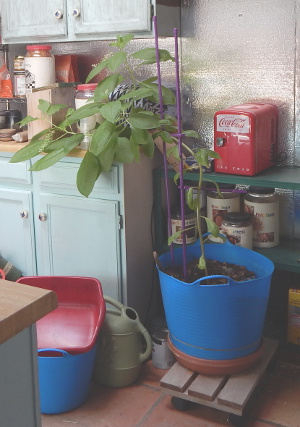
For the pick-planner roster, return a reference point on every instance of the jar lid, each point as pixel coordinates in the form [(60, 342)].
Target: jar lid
[(38, 47), (261, 190), (237, 216), (91, 86)]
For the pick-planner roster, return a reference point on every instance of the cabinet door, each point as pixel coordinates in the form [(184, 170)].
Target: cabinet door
[(32, 20), (79, 237), (113, 16), (17, 230)]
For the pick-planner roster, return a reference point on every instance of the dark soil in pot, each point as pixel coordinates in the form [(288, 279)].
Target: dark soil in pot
[(238, 273)]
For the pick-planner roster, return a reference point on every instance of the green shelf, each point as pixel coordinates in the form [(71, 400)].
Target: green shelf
[(286, 256), (277, 176)]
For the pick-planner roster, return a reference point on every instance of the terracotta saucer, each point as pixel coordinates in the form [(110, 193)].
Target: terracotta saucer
[(215, 367)]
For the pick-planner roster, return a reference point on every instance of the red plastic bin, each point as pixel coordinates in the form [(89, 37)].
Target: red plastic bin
[(74, 325)]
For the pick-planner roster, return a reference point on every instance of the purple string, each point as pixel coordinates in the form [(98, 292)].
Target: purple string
[(164, 144), (182, 195)]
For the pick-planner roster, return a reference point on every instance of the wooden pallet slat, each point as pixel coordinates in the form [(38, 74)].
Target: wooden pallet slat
[(178, 378), (239, 387), (206, 387), (226, 393)]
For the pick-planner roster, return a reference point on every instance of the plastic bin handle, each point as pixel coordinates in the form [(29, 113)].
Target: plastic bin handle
[(217, 276), (57, 350)]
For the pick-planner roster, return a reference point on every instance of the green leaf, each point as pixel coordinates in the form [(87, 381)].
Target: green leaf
[(169, 97), (123, 153), (67, 142), (107, 85), (101, 137), (148, 55), (111, 110), (139, 93), (116, 60), (43, 105), (191, 133), (82, 112), (201, 157), (193, 202), (166, 137), (213, 154), (96, 70), (106, 156), (212, 227), (201, 263), (27, 120), (139, 136), (148, 149), (141, 121), (122, 41), (55, 108), (56, 155), (31, 150), (88, 174)]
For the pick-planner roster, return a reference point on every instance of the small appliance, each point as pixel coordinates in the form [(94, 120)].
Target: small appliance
[(245, 136)]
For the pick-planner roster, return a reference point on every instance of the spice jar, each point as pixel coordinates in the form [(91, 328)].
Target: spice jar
[(190, 224), (218, 206), (237, 227), (263, 204), (19, 77), (86, 125), (39, 67)]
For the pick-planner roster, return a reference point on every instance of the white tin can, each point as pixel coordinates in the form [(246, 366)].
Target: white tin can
[(263, 205)]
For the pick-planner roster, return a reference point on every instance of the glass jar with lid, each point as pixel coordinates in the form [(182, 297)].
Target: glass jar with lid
[(237, 227), (86, 125), (263, 204), (218, 205), (39, 64)]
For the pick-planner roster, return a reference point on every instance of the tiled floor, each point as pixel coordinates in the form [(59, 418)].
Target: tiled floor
[(276, 404)]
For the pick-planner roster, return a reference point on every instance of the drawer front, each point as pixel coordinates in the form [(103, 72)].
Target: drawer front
[(61, 177), (14, 172)]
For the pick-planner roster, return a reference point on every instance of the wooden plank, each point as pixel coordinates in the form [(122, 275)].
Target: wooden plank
[(178, 378), (207, 387), (239, 387), (21, 306)]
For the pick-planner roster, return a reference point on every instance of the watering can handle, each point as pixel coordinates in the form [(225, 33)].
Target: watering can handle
[(144, 356), (113, 302)]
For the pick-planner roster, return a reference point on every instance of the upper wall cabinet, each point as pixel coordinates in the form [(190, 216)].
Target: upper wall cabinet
[(31, 21)]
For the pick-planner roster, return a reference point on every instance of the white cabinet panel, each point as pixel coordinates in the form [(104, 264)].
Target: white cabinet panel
[(16, 229), (114, 16), (79, 237), (28, 19)]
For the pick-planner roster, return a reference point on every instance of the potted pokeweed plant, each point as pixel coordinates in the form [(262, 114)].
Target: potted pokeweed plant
[(195, 312)]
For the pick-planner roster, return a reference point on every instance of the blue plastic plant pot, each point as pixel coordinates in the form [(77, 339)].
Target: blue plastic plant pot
[(217, 322), (64, 379)]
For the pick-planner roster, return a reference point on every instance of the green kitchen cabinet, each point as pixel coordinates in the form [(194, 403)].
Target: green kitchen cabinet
[(29, 21), (48, 228)]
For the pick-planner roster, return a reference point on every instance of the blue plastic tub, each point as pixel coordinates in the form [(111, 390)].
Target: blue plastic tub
[(217, 322), (64, 379)]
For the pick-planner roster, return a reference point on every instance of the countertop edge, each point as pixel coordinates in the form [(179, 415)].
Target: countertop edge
[(21, 306)]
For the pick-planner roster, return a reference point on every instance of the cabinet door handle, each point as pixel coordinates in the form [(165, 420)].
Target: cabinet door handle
[(58, 14), (42, 216), (24, 214), (76, 13)]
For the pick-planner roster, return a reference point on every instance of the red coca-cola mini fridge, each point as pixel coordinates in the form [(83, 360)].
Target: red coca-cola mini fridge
[(245, 136)]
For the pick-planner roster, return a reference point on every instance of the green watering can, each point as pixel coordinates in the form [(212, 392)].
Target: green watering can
[(123, 345)]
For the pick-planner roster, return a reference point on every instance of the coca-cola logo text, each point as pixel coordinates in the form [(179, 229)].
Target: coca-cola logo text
[(233, 123)]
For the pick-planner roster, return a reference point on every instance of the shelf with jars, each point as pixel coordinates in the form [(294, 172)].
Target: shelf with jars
[(286, 256)]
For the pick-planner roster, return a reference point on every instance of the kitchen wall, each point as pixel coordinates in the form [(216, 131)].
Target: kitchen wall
[(231, 52)]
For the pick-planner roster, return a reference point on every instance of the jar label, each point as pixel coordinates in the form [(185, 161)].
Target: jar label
[(238, 236), (217, 208), (39, 72), (265, 220), (190, 235)]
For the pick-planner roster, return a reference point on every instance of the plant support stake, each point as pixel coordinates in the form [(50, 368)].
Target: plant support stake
[(154, 20)]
